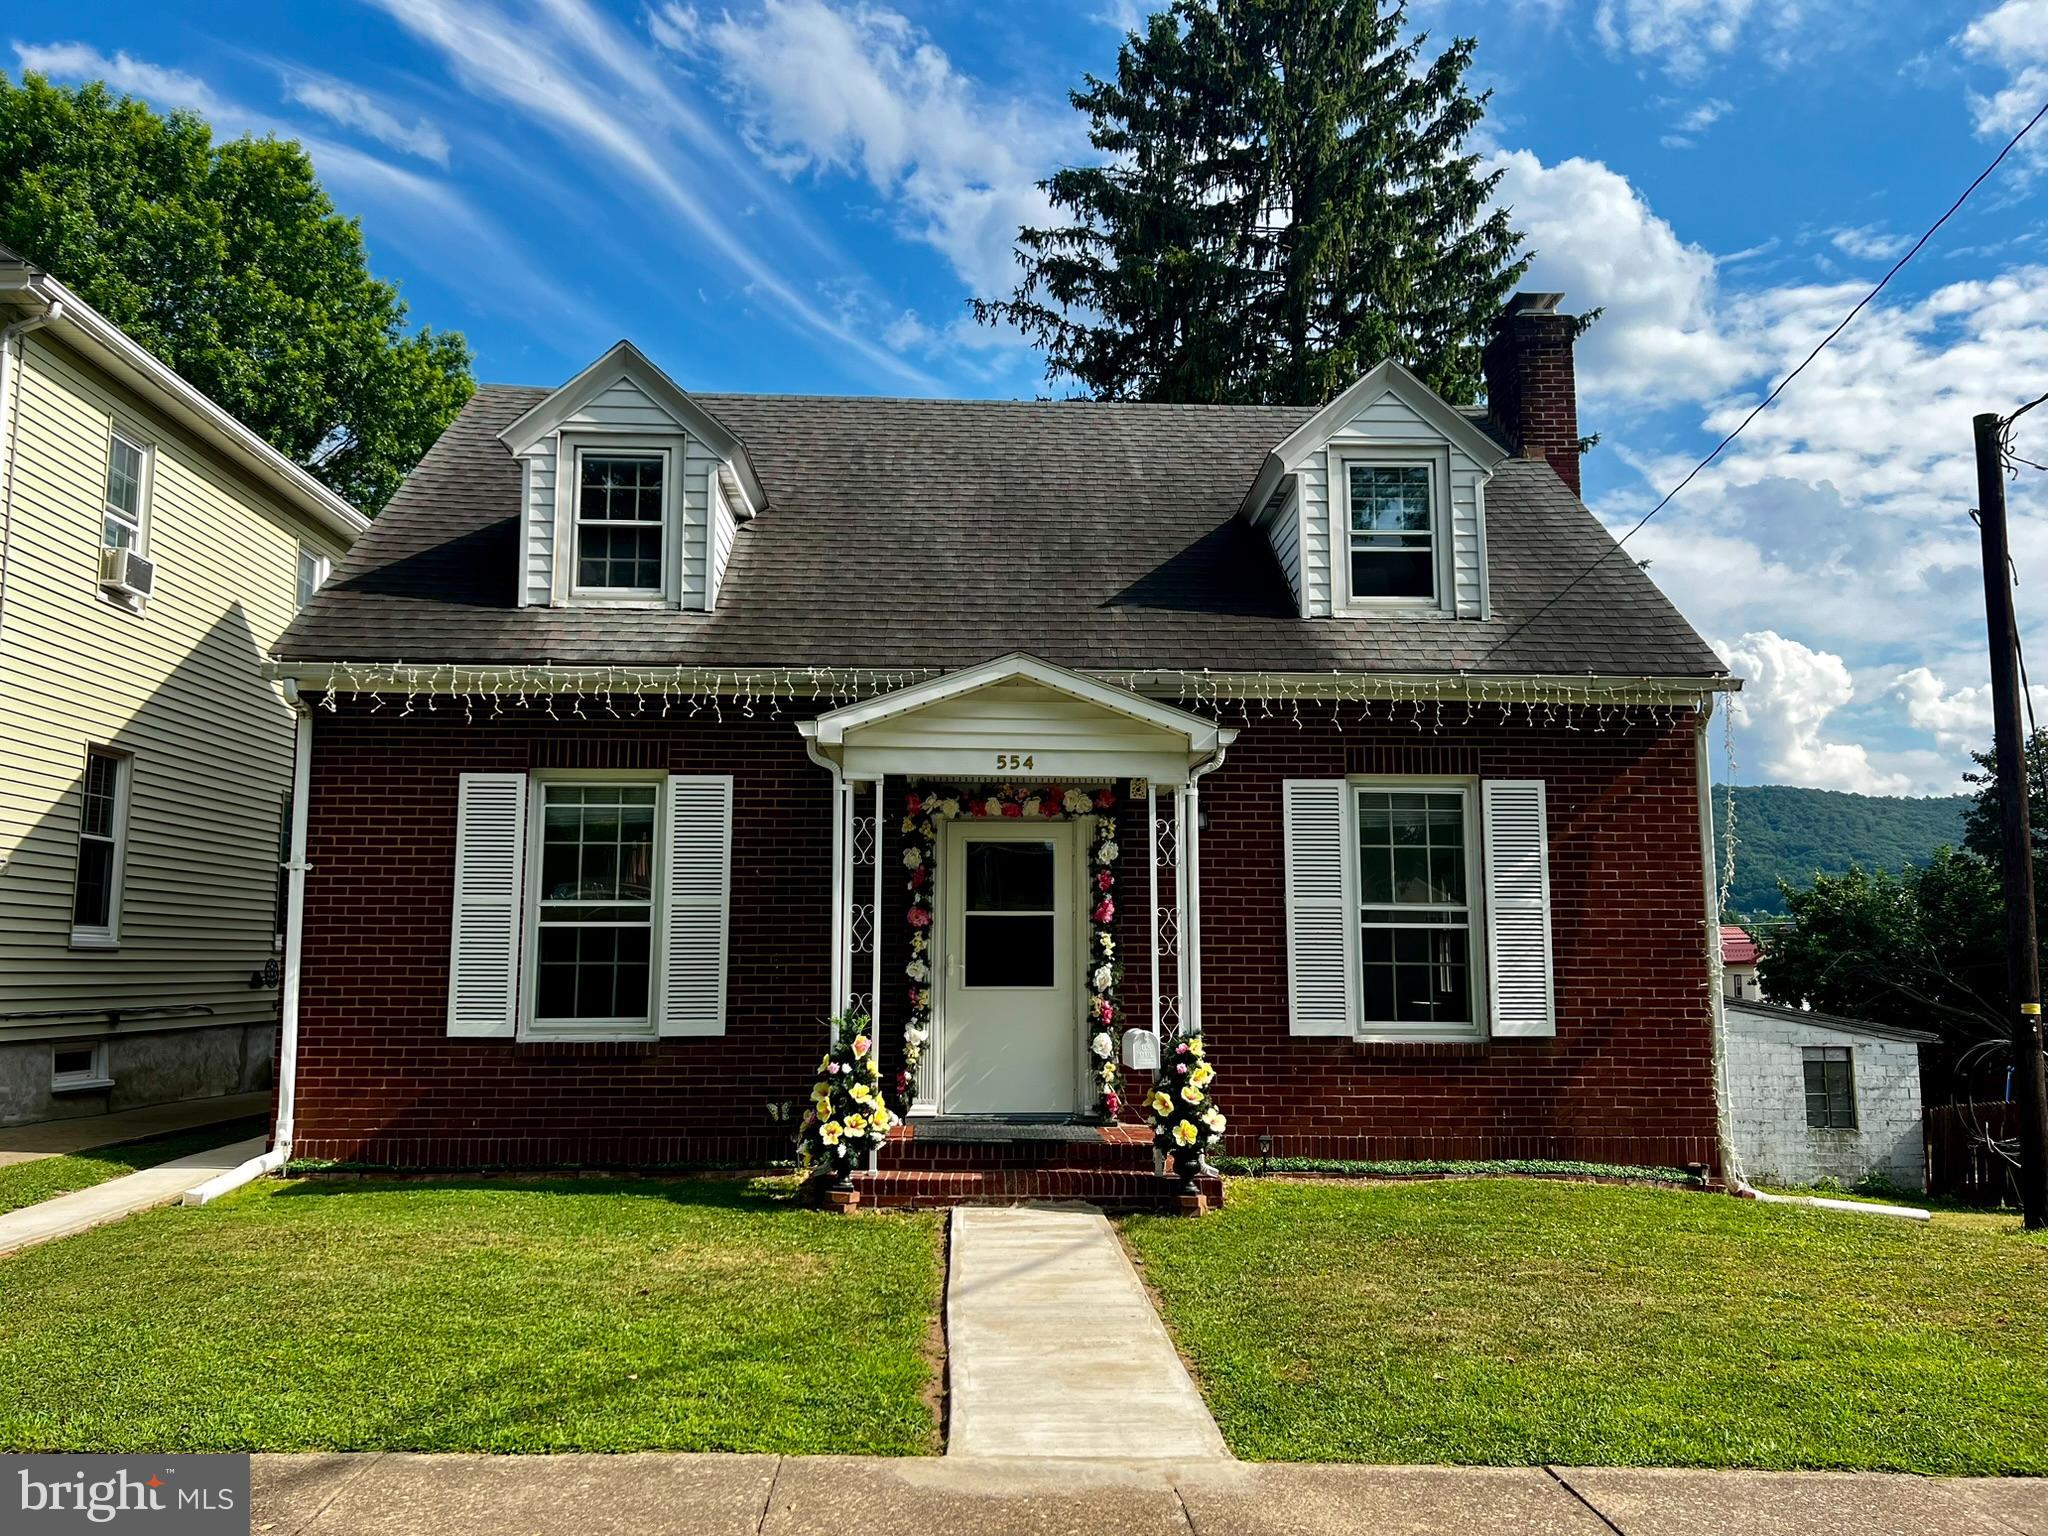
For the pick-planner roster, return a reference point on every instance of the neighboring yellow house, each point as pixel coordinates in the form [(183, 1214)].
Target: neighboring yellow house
[(151, 550)]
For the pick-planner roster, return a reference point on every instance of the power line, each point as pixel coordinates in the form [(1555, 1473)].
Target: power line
[(1765, 404)]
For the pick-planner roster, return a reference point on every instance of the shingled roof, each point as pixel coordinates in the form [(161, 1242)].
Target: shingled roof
[(939, 533)]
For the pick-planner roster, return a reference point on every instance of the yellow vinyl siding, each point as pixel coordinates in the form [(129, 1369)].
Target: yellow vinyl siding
[(177, 686)]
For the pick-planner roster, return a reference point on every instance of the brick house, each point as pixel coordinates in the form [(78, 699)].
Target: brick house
[(648, 730)]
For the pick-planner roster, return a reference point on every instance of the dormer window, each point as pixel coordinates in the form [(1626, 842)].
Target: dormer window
[(1392, 523), (621, 522)]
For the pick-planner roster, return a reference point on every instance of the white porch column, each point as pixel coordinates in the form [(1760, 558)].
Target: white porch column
[(1191, 910), (1181, 915), (875, 933), (836, 1003), (1152, 883)]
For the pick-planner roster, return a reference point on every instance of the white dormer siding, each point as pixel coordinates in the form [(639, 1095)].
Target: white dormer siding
[(1389, 429), (1389, 420), (623, 405), (1282, 522)]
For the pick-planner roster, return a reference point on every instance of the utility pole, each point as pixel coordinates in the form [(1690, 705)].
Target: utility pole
[(2015, 840)]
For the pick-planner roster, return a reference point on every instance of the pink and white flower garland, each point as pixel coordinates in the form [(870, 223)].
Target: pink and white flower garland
[(924, 812)]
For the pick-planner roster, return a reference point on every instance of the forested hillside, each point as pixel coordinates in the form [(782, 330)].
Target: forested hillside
[(1787, 833)]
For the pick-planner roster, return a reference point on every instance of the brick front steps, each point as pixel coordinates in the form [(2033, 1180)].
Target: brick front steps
[(933, 1164)]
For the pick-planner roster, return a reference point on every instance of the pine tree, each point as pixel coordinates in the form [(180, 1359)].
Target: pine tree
[(1285, 200)]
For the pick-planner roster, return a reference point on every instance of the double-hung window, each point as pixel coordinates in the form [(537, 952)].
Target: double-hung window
[(312, 576), (1830, 1088), (1391, 532), (102, 814), (594, 910), (1415, 910), (126, 491), (621, 522)]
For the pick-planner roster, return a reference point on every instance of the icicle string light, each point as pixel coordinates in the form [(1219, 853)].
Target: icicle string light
[(1419, 704)]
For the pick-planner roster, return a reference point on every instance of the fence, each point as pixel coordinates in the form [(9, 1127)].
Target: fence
[(1960, 1166)]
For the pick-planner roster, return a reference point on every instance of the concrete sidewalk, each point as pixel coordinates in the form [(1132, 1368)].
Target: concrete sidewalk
[(1024, 1380), (54, 1138), (669, 1495), (131, 1192)]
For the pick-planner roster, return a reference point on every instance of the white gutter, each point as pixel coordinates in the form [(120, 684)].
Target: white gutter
[(13, 360), (106, 345), (1731, 1159), (294, 945)]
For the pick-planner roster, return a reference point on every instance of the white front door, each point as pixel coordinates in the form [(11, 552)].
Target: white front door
[(1011, 1009)]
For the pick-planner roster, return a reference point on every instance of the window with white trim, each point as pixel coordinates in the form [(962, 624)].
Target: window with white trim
[(312, 576), (1390, 531), (621, 522), (1416, 873), (79, 1068), (125, 503), (594, 905), (102, 818)]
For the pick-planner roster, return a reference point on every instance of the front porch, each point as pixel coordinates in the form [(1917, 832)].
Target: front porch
[(1045, 943)]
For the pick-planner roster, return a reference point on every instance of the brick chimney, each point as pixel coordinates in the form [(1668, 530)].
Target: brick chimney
[(1530, 389)]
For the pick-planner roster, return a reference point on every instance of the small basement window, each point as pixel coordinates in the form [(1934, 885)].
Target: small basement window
[(79, 1068), (1830, 1088)]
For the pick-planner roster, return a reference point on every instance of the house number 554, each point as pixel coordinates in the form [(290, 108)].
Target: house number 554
[(1014, 760)]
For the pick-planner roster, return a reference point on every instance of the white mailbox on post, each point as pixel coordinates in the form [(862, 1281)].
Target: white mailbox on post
[(1141, 1050)]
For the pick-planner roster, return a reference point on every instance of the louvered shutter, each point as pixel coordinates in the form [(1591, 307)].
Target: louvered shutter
[(1319, 909), (490, 860), (697, 894), (1518, 908)]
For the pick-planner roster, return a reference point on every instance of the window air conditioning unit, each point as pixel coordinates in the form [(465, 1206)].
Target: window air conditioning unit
[(126, 572)]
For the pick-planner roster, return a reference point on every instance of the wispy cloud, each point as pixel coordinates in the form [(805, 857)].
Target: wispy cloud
[(601, 95), (1869, 242), (350, 106), (167, 88), (862, 91), (427, 216)]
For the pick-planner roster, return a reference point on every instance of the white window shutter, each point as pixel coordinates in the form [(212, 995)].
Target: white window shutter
[(1518, 908), (697, 897), (490, 862), (1320, 919)]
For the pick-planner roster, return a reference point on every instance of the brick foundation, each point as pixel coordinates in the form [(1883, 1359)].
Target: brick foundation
[(1627, 1079)]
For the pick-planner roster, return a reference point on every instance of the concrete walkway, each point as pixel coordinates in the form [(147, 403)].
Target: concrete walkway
[(54, 1138), (657, 1495), (120, 1197), (1053, 1348)]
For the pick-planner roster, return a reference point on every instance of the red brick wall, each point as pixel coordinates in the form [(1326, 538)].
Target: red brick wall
[(1627, 1079)]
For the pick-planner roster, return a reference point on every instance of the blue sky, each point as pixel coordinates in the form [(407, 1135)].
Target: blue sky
[(802, 195)]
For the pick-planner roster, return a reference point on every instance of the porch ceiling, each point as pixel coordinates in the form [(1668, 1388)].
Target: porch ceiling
[(1016, 717)]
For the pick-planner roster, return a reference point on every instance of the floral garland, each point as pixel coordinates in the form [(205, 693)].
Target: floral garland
[(924, 812), (1184, 1117), (847, 1117)]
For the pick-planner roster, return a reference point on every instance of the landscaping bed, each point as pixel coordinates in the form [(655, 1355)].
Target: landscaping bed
[(501, 1315), (1525, 1321)]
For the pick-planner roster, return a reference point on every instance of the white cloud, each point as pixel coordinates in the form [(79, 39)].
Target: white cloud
[(1596, 240), (1959, 719), (1705, 115), (1789, 692), (1684, 34), (2013, 38), (352, 107), (1869, 242), (167, 88), (861, 91)]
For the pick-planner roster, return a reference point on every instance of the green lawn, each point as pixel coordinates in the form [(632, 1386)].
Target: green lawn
[(576, 1314), (29, 1183), (1526, 1322)]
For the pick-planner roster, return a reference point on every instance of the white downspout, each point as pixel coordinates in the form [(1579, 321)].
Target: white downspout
[(1731, 1160), (13, 360), (294, 944)]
